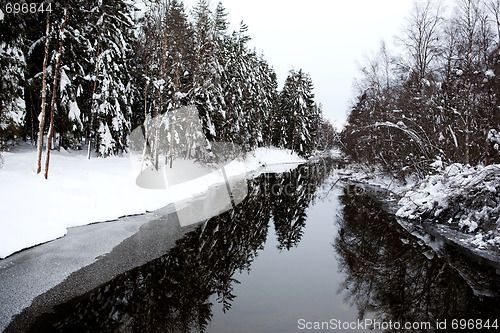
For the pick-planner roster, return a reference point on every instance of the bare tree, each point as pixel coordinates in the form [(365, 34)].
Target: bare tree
[(54, 91), (422, 38), (377, 71), (44, 94), (494, 7), (468, 24)]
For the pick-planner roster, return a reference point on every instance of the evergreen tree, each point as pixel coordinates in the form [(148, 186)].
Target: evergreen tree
[(95, 91), (113, 97), (99, 96), (12, 79), (206, 92), (298, 115)]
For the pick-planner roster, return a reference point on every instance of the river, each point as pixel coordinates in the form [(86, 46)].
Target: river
[(301, 252)]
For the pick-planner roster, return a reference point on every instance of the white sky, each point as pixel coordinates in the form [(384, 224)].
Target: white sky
[(326, 38)]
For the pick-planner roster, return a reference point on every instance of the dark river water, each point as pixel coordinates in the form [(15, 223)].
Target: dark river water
[(300, 253)]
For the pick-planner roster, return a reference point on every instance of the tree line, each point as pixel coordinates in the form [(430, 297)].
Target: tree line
[(439, 99), (89, 72)]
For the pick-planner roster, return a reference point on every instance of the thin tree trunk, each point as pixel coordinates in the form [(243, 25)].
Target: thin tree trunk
[(293, 133), (145, 116), (176, 105), (44, 95), (93, 94), (156, 124), (54, 91), (467, 138), (162, 86)]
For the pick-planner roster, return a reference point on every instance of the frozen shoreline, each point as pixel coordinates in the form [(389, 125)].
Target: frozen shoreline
[(445, 204), (80, 192)]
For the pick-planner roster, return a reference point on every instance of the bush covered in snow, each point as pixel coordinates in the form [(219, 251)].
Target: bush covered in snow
[(466, 198)]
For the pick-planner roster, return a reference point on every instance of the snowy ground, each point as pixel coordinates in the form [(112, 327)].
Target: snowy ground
[(80, 191), (462, 200)]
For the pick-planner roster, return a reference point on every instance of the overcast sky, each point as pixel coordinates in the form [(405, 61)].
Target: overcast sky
[(325, 38)]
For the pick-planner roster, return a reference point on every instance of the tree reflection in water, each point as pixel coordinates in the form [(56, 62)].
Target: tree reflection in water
[(291, 194), (172, 293), (392, 275)]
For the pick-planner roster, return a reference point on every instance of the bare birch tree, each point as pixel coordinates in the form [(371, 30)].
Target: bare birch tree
[(44, 94), (54, 91), (422, 38)]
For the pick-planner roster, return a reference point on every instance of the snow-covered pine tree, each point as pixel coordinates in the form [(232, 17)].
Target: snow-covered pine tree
[(12, 66), (222, 61), (111, 36), (153, 35), (298, 120), (236, 87), (105, 23), (250, 91), (206, 91), (183, 128), (74, 97), (267, 100), (66, 89), (168, 81), (327, 135)]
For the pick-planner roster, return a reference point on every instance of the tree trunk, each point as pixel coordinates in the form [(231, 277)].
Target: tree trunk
[(44, 95), (146, 133), (156, 124), (54, 92), (176, 105), (89, 139), (161, 88)]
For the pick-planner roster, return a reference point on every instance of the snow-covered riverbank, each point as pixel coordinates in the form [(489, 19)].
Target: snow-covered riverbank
[(464, 201), (80, 191)]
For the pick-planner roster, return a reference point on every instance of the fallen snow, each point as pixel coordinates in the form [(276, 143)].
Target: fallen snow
[(461, 197), (80, 191), (376, 176)]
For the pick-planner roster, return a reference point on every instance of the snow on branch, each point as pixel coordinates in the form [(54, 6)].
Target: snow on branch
[(403, 128)]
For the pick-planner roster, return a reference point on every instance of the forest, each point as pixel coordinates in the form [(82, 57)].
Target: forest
[(84, 74), (438, 100)]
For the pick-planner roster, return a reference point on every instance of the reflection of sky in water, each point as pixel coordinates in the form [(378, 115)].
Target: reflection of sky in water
[(285, 286)]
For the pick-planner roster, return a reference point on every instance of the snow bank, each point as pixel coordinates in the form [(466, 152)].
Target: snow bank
[(80, 191), (376, 176), (463, 197), (263, 157)]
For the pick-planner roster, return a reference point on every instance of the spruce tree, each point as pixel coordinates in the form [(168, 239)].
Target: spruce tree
[(298, 115), (112, 100), (206, 91), (12, 78)]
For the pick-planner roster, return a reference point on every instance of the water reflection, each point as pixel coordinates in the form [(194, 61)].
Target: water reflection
[(173, 292), (394, 276), (292, 193)]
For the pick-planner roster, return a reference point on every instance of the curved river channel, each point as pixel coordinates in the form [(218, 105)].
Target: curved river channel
[(302, 252)]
